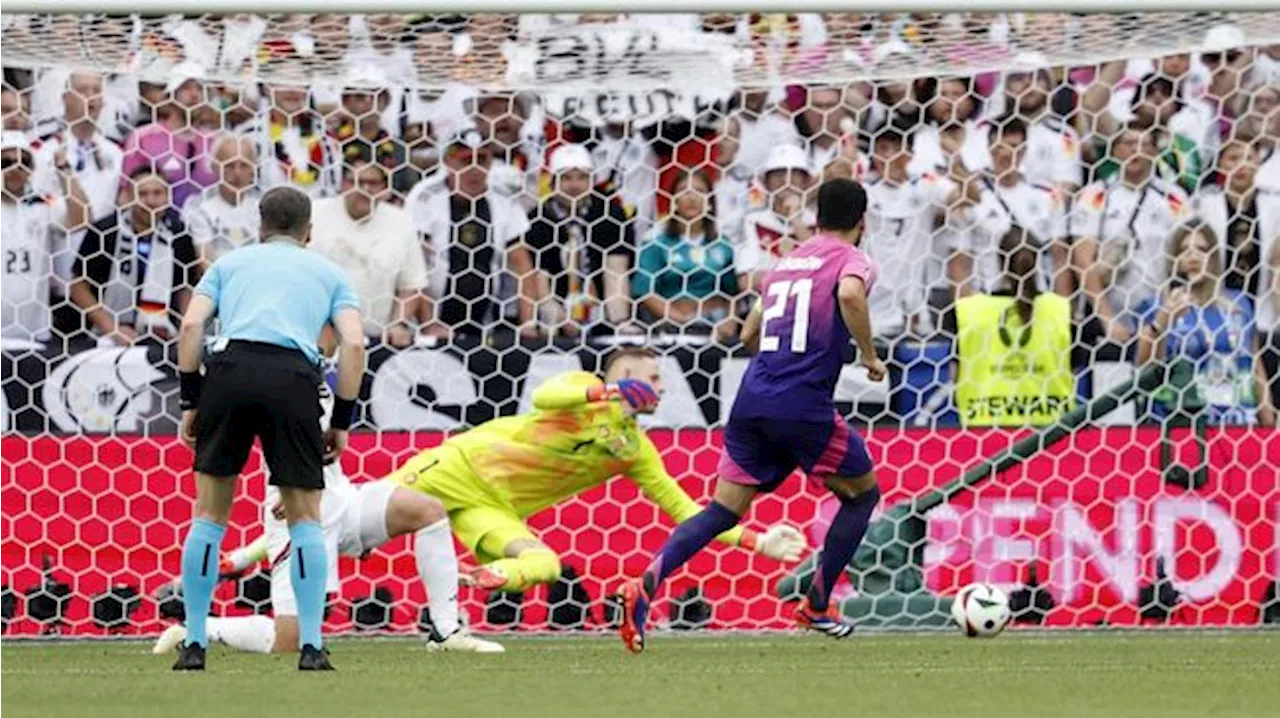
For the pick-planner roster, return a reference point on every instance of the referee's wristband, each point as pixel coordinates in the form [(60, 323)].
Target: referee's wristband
[(343, 412), (190, 384)]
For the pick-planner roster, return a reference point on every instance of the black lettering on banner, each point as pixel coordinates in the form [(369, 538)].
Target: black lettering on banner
[(561, 58), (601, 69), (634, 56), (591, 58), (663, 102)]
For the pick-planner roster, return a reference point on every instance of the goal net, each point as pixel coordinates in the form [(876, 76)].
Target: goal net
[(1059, 204)]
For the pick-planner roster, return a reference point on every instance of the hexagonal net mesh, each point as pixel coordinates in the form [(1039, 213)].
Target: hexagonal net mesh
[(1075, 220)]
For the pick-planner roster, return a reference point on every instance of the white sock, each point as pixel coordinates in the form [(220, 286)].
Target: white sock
[(254, 634), (438, 568)]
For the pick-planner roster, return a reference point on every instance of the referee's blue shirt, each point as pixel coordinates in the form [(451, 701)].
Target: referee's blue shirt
[(278, 293)]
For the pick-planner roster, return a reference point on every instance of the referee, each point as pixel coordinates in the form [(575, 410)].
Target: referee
[(261, 380)]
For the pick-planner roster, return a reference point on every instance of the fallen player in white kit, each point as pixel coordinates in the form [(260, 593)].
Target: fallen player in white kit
[(356, 519)]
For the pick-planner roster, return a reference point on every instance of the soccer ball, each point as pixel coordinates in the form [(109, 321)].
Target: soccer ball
[(981, 610)]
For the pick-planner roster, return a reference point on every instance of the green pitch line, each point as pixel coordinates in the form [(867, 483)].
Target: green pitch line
[(1116, 675)]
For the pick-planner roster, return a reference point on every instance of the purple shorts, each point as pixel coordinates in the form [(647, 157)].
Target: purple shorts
[(764, 452)]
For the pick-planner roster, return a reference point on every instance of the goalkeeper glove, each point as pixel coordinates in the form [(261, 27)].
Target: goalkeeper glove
[(780, 543), (636, 394)]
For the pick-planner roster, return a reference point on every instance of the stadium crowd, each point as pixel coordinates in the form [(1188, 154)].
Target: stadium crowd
[(1148, 189)]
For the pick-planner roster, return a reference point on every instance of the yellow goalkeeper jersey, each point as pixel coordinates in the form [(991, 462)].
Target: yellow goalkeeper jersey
[(566, 445)]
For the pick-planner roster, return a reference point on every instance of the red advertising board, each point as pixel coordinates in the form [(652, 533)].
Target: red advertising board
[(1092, 515)]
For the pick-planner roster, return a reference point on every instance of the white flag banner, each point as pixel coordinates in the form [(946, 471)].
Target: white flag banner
[(624, 72)]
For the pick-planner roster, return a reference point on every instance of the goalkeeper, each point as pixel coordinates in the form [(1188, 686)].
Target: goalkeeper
[(581, 433)]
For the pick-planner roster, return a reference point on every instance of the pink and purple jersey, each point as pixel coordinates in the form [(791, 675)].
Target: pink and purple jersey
[(802, 335)]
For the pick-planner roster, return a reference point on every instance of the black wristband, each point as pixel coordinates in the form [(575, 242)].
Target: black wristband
[(190, 383), (343, 412)]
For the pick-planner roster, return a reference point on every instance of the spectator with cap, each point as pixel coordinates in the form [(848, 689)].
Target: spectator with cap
[(470, 234), (225, 217), (582, 249), (785, 219), (135, 269), (1226, 59), (173, 144), (375, 243), (685, 278), (27, 224)]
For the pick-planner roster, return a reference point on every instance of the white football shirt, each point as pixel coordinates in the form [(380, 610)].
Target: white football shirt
[(899, 237), (217, 226), (1039, 209), (380, 254), (1133, 225), (25, 231)]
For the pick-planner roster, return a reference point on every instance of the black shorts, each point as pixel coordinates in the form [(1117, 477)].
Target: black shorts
[(264, 391)]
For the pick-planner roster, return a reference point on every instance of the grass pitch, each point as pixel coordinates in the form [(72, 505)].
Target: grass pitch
[(1111, 675)]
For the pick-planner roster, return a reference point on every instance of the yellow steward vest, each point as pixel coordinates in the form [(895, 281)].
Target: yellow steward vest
[(1010, 374)]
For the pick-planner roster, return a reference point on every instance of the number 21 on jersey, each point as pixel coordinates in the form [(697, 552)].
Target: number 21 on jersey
[(780, 295)]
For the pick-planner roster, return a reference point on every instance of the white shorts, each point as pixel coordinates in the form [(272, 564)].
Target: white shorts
[(354, 520), (364, 525)]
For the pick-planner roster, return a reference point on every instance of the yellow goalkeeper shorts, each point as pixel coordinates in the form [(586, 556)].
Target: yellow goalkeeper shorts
[(481, 519)]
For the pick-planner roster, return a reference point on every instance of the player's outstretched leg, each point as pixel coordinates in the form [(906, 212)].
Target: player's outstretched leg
[(412, 512), (690, 537), (858, 498), (251, 634)]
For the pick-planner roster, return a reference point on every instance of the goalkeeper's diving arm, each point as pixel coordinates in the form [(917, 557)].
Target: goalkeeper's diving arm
[(568, 391)]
